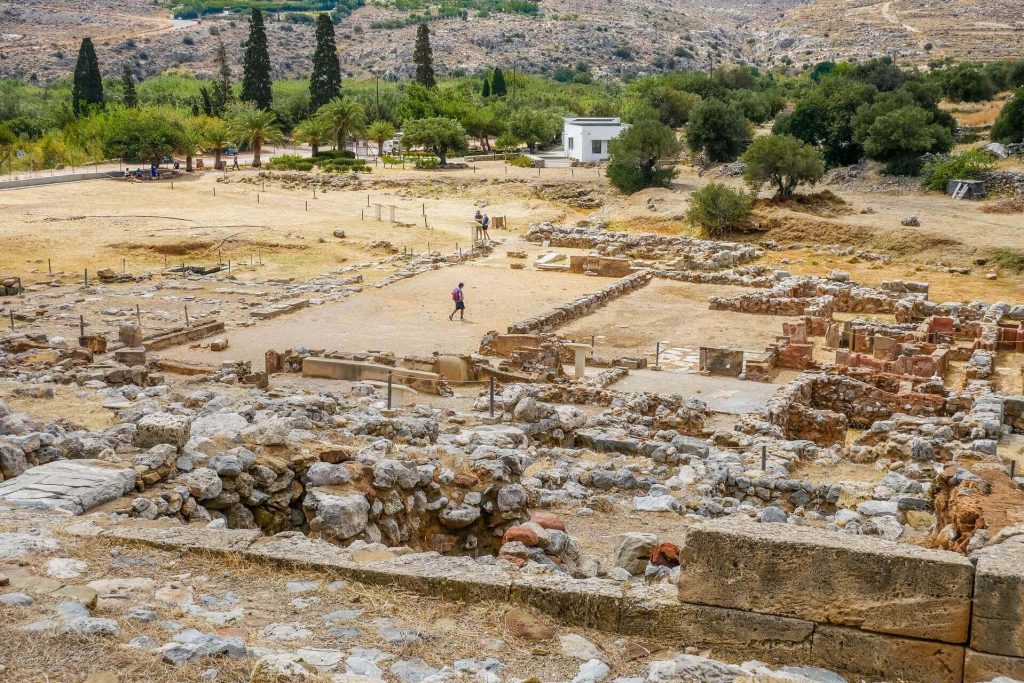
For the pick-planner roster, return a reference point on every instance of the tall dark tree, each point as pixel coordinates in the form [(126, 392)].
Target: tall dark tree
[(325, 83), (256, 64), (498, 87), (222, 93), (88, 84), (131, 98), (423, 57), (486, 91), (204, 96)]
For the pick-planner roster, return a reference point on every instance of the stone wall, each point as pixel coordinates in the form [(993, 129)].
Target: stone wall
[(582, 306), (867, 608)]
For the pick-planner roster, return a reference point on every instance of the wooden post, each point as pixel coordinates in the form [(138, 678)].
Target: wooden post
[(138, 316), (49, 266), (491, 383), (186, 317), (122, 267), (12, 319), (389, 390), (81, 326), (86, 277), (764, 458), (229, 266)]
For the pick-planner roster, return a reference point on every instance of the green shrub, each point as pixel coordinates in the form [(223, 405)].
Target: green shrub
[(520, 161), (344, 165), (335, 154), (427, 163), (290, 162), (717, 210), (391, 160), (959, 166)]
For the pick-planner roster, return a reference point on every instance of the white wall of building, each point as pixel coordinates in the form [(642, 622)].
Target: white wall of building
[(586, 140)]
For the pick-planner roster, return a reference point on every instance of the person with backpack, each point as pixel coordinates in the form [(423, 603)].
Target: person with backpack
[(460, 303), (486, 223)]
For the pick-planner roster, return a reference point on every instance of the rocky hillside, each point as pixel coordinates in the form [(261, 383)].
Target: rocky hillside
[(39, 39)]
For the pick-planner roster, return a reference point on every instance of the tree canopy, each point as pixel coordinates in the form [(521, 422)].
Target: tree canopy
[(438, 134), (87, 88), (718, 130), (638, 156), (423, 57), (325, 82), (782, 161), (256, 80)]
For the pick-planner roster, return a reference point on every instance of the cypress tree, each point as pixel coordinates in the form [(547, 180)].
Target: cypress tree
[(423, 57), (204, 95), (325, 83), (222, 93), (498, 87), (88, 84), (256, 64), (486, 92), (131, 99)]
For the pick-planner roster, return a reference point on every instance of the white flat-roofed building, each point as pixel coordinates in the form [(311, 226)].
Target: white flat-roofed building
[(586, 138)]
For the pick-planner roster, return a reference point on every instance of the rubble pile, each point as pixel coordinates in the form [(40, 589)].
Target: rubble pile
[(581, 306)]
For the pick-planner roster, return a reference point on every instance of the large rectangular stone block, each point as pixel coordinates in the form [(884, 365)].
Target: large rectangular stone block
[(981, 667), (828, 577), (733, 635), (998, 622), (876, 656), (591, 603)]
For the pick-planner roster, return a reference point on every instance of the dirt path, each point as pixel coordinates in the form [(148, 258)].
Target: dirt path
[(890, 16)]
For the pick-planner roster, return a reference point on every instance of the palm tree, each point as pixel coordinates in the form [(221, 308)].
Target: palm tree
[(256, 127), (190, 139), (342, 118), (217, 136), (313, 132), (379, 131)]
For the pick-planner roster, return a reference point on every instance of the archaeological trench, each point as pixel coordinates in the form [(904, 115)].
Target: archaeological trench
[(765, 570)]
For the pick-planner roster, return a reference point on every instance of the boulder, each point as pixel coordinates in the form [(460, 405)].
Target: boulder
[(633, 551)]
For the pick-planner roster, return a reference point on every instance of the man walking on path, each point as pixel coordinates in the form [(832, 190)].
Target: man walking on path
[(460, 303)]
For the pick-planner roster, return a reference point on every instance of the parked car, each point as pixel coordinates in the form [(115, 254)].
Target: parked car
[(230, 151)]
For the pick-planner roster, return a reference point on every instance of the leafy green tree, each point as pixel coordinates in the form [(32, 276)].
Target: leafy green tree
[(718, 130), (140, 135), (782, 161), (313, 132), (485, 91), (479, 123), (967, 83), (7, 141), (900, 137), (641, 157), (256, 79), (87, 87), (673, 107), (882, 73), (423, 57), (130, 98), (256, 127), (823, 117), (206, 100), (343, 118), (222, 91), (1016, 75), (498, 86), (379, 131), (1009, 126), (533, 127), (718, 210), (217, 136), (438, 134), (325, 83)]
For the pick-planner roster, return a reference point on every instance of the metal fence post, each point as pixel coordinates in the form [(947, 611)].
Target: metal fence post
[(491, 382), (389, 389)]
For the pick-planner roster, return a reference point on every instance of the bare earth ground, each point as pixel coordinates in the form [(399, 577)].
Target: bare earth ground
[(411, 317)]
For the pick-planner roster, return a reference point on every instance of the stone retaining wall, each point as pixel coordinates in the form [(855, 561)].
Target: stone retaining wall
[(776, 592), (582, 306)]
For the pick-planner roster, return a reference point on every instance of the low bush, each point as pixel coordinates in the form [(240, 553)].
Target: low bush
[(520, 161), (1011, 259), (957, 167), (426, 163), (290, 162), (717, 210), (335, 154)]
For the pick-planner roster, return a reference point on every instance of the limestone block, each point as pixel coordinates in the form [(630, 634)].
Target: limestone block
[(452, 578), (982, 666), (158, 428), (998, 622), (655, 612), (827, 577), (73, 485), (170, 537), (883, 657), (591, 603)]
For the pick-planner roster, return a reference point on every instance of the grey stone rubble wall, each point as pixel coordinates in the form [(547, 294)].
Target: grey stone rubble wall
[(582, 306), (779, 593), (744, 276), (812, 295), (690, 253)]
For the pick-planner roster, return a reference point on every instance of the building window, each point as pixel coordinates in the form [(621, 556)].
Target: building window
[(570, 144), (595, 146)]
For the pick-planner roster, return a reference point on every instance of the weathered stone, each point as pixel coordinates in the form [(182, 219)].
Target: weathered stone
[(827, 577), (72, 485), (633, 551), (158, 428), (997, 624), (877, 656), (982, 666)]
